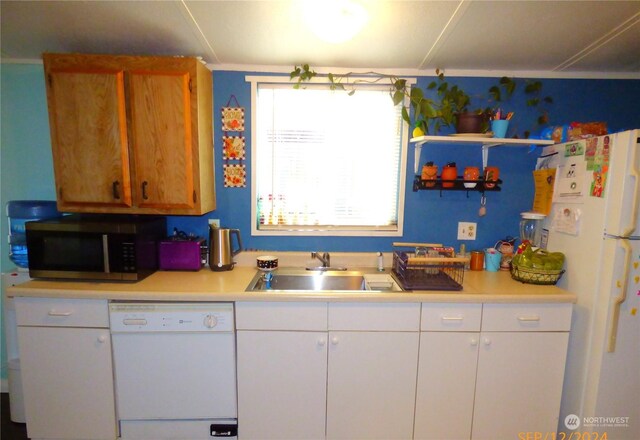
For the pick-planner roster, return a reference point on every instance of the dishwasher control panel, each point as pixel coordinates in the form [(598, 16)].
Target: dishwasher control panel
[(171, 317)]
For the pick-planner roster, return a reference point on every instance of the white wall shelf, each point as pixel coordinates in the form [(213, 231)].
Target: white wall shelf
[(485, 142)]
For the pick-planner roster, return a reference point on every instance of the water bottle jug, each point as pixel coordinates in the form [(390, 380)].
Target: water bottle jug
[(19, 212)]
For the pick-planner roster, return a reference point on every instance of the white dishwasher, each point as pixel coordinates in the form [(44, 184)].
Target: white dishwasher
[(175, 370)]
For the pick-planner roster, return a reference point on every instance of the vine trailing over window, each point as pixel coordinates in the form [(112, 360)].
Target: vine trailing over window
[(430, 116), (422, 108)]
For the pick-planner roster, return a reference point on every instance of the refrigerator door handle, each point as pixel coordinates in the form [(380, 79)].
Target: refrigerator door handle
[(618, 300), (635, 173)]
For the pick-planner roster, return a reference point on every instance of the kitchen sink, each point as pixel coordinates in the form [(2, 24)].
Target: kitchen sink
[(300, 280)]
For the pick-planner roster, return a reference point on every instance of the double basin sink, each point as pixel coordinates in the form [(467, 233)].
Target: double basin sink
[(327, 281)]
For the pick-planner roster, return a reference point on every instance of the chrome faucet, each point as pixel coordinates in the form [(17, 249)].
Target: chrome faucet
[(325, 258)]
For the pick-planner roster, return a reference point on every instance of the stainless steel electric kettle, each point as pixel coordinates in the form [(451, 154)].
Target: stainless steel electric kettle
[(220, 250)]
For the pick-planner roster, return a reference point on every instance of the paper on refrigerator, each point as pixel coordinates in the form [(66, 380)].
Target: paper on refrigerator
[(543, 181), (570, 178), (566, 220)]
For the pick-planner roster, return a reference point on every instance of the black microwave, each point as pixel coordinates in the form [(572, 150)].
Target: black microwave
[(95, 247)]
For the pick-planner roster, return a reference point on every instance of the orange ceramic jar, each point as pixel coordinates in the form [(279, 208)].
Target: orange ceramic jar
[(471, 173), (449, 175), (429, 174)]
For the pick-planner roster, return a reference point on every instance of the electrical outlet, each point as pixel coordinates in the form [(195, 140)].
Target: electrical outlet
[(467, 230), (215, 222)]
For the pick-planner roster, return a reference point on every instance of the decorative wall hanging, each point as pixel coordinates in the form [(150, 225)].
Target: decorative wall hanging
[(232, 117), (233, 147), (235, 175)]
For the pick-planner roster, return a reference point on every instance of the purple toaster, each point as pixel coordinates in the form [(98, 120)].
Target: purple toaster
[(188, 253)]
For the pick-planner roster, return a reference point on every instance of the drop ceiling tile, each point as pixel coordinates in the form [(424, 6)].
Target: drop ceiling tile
[(146, 27), (398, 34), (527, 35), (619, 54)]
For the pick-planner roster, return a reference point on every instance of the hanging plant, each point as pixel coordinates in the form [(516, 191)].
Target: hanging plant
[(431, 116), (422, 108)]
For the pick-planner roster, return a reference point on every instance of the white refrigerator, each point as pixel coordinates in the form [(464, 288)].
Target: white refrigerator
[(594, 220)]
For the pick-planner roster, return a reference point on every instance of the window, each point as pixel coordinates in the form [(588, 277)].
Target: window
[(326, 163)]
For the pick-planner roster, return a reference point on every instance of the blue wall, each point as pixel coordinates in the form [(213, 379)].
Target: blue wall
[(429, 216)]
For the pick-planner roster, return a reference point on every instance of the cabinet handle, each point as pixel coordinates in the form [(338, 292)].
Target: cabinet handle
[(452, 318), (528, 318), (473, 342), (102, 339), (144, 190), (54, 313), (486, 341), (116, 190), (322, 342), (335, 340)]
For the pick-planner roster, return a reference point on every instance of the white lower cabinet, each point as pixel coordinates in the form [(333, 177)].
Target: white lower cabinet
[(447, 371), (282, 370), (282, 384), (519, 384), (497, 380), (354, 379), (66, 368), (520, 370), (371, 385)]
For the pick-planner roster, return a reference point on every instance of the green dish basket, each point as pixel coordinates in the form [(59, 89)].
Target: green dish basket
[(535, 276)]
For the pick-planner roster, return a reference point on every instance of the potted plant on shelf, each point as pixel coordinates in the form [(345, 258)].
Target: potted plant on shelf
[(453, 108), (502, 92)]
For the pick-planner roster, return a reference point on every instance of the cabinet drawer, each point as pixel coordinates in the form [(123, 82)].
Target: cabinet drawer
[(281, 316), (374, 316), (526, 317), (451, 317), (59, 312)]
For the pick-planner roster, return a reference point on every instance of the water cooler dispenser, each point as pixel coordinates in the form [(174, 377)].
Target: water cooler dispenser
[(20, 212)]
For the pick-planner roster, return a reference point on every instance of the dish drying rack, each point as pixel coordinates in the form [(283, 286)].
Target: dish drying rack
[(430, 267)]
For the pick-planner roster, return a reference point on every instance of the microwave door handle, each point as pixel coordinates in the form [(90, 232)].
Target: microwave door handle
[(105, 253)]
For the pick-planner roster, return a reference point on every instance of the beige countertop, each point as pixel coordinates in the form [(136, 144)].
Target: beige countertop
[(206, 285)]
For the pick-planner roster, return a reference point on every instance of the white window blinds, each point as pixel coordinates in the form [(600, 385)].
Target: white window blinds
[(327, 161)]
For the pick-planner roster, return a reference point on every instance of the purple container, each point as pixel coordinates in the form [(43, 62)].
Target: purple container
[(190, 254)]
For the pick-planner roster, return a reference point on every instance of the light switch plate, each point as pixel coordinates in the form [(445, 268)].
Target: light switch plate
[(215, 222), (467, 230)]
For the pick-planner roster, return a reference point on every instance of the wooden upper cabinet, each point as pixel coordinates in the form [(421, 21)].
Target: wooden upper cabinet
[(131, 134), (161, 139), (89, 137)]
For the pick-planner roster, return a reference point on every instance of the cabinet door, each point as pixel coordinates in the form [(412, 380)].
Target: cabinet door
[(446, 383), (89, 137), (67, 381), (519, 383), (371, 385), (282, 384), (161, 138)]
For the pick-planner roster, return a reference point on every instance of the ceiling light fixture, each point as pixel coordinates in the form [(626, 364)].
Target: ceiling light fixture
[(335, 21)]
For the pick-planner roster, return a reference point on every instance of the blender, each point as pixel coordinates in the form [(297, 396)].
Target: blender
[(530, 227)]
